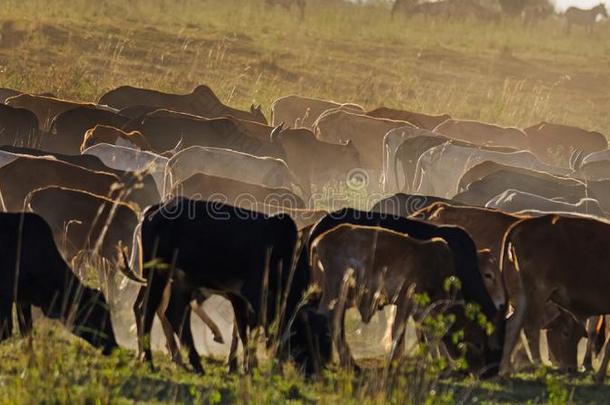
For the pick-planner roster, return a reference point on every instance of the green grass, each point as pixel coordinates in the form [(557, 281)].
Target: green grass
[(496, 72)]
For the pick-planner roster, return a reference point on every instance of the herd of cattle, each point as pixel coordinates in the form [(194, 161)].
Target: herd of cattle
[(187, 198)]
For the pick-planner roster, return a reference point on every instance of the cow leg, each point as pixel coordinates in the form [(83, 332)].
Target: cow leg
[(398, 330), (138, 310), (603, 368), (337, 329), (170, 342), (152, 301), (241, 323), (24, 318), (591, 338), (233, 350), (6, 319), (532, 333), (208, 321), (513, 329), (186, 338)]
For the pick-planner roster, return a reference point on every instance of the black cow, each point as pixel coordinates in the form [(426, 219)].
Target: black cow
[(242, 255), (405, 205), (164, 133), (485, 358), (18, 126), (44, 280), (68, 128)]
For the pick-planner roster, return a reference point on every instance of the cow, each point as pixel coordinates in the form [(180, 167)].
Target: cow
[(585, 17), (439, 168), (515, 201), (365, 132), (555, 143), (131, 160), (6, 93), (483, 134), (405, 205), (465, 264), (370, 267), (143, 190), (18, 126), (559, 260), (332, 161), (201, 101), (297, 111), (487, 229), (245, 257), (69, 127), (47, 108), (595, 166), (33, 273), (170, 133), (230, 164), (200, 186), (481, 170), (303, 218), (114, 136), (420, 120)]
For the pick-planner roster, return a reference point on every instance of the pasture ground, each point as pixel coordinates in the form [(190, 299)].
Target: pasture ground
[(498, 72)]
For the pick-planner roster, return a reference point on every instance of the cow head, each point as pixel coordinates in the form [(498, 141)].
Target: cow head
[(490, 270), (563, 334), (92, 320), (257, 114)]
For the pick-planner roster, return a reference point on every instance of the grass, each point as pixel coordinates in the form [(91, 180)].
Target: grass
[(497, 72)]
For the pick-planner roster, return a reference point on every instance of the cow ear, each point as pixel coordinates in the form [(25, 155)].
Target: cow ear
[(255, 109)]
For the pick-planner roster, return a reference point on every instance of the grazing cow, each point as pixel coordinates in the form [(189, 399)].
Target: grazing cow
[(484, 134), (559, 259), (201, 101), (465, 264), (487, 229), (245, 257), (595, 166), (446, 8), (26, 174), (47, 108), (33, 273), (514, 201), (69, 127), (131, 160), (5, 94), (371, 267), (587, 18), (18, 126), (297, 111), (405, 205), (114, 136), (143, 190), (287, 4), (202, 186), (485, 168), (262, 171), (332, 161), (555, 143), (169, 133), (366, 133), (393, 171), (420, 120), (439, 168), (535, 13)]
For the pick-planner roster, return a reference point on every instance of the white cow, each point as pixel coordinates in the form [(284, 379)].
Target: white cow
[(517, 201), (264, 171), (132, 160), (391, 142), (296, 111), (439, 169)]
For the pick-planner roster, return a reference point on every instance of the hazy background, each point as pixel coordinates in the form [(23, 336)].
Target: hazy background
[(563, 4)]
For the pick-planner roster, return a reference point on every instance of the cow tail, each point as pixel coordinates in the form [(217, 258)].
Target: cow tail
[(508, 254)]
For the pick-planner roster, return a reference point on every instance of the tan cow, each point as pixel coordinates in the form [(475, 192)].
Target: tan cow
[(296, 111), (114, 136), (46, 108), (420, 120), (482, 133)]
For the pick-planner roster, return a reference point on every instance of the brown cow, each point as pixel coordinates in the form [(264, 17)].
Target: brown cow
[(297, 111), (201, 101), (482, 133), (18, 126), (487, 228), (559, 259), (24, 174), (114, 136), (46, 108), (370, 267), (237, 193), (420, 120), (555, 143)]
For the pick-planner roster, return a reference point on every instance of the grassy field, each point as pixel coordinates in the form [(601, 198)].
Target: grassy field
[(497, 72)]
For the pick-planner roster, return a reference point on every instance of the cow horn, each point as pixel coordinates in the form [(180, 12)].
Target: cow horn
[(128, 272), (277, 131)]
